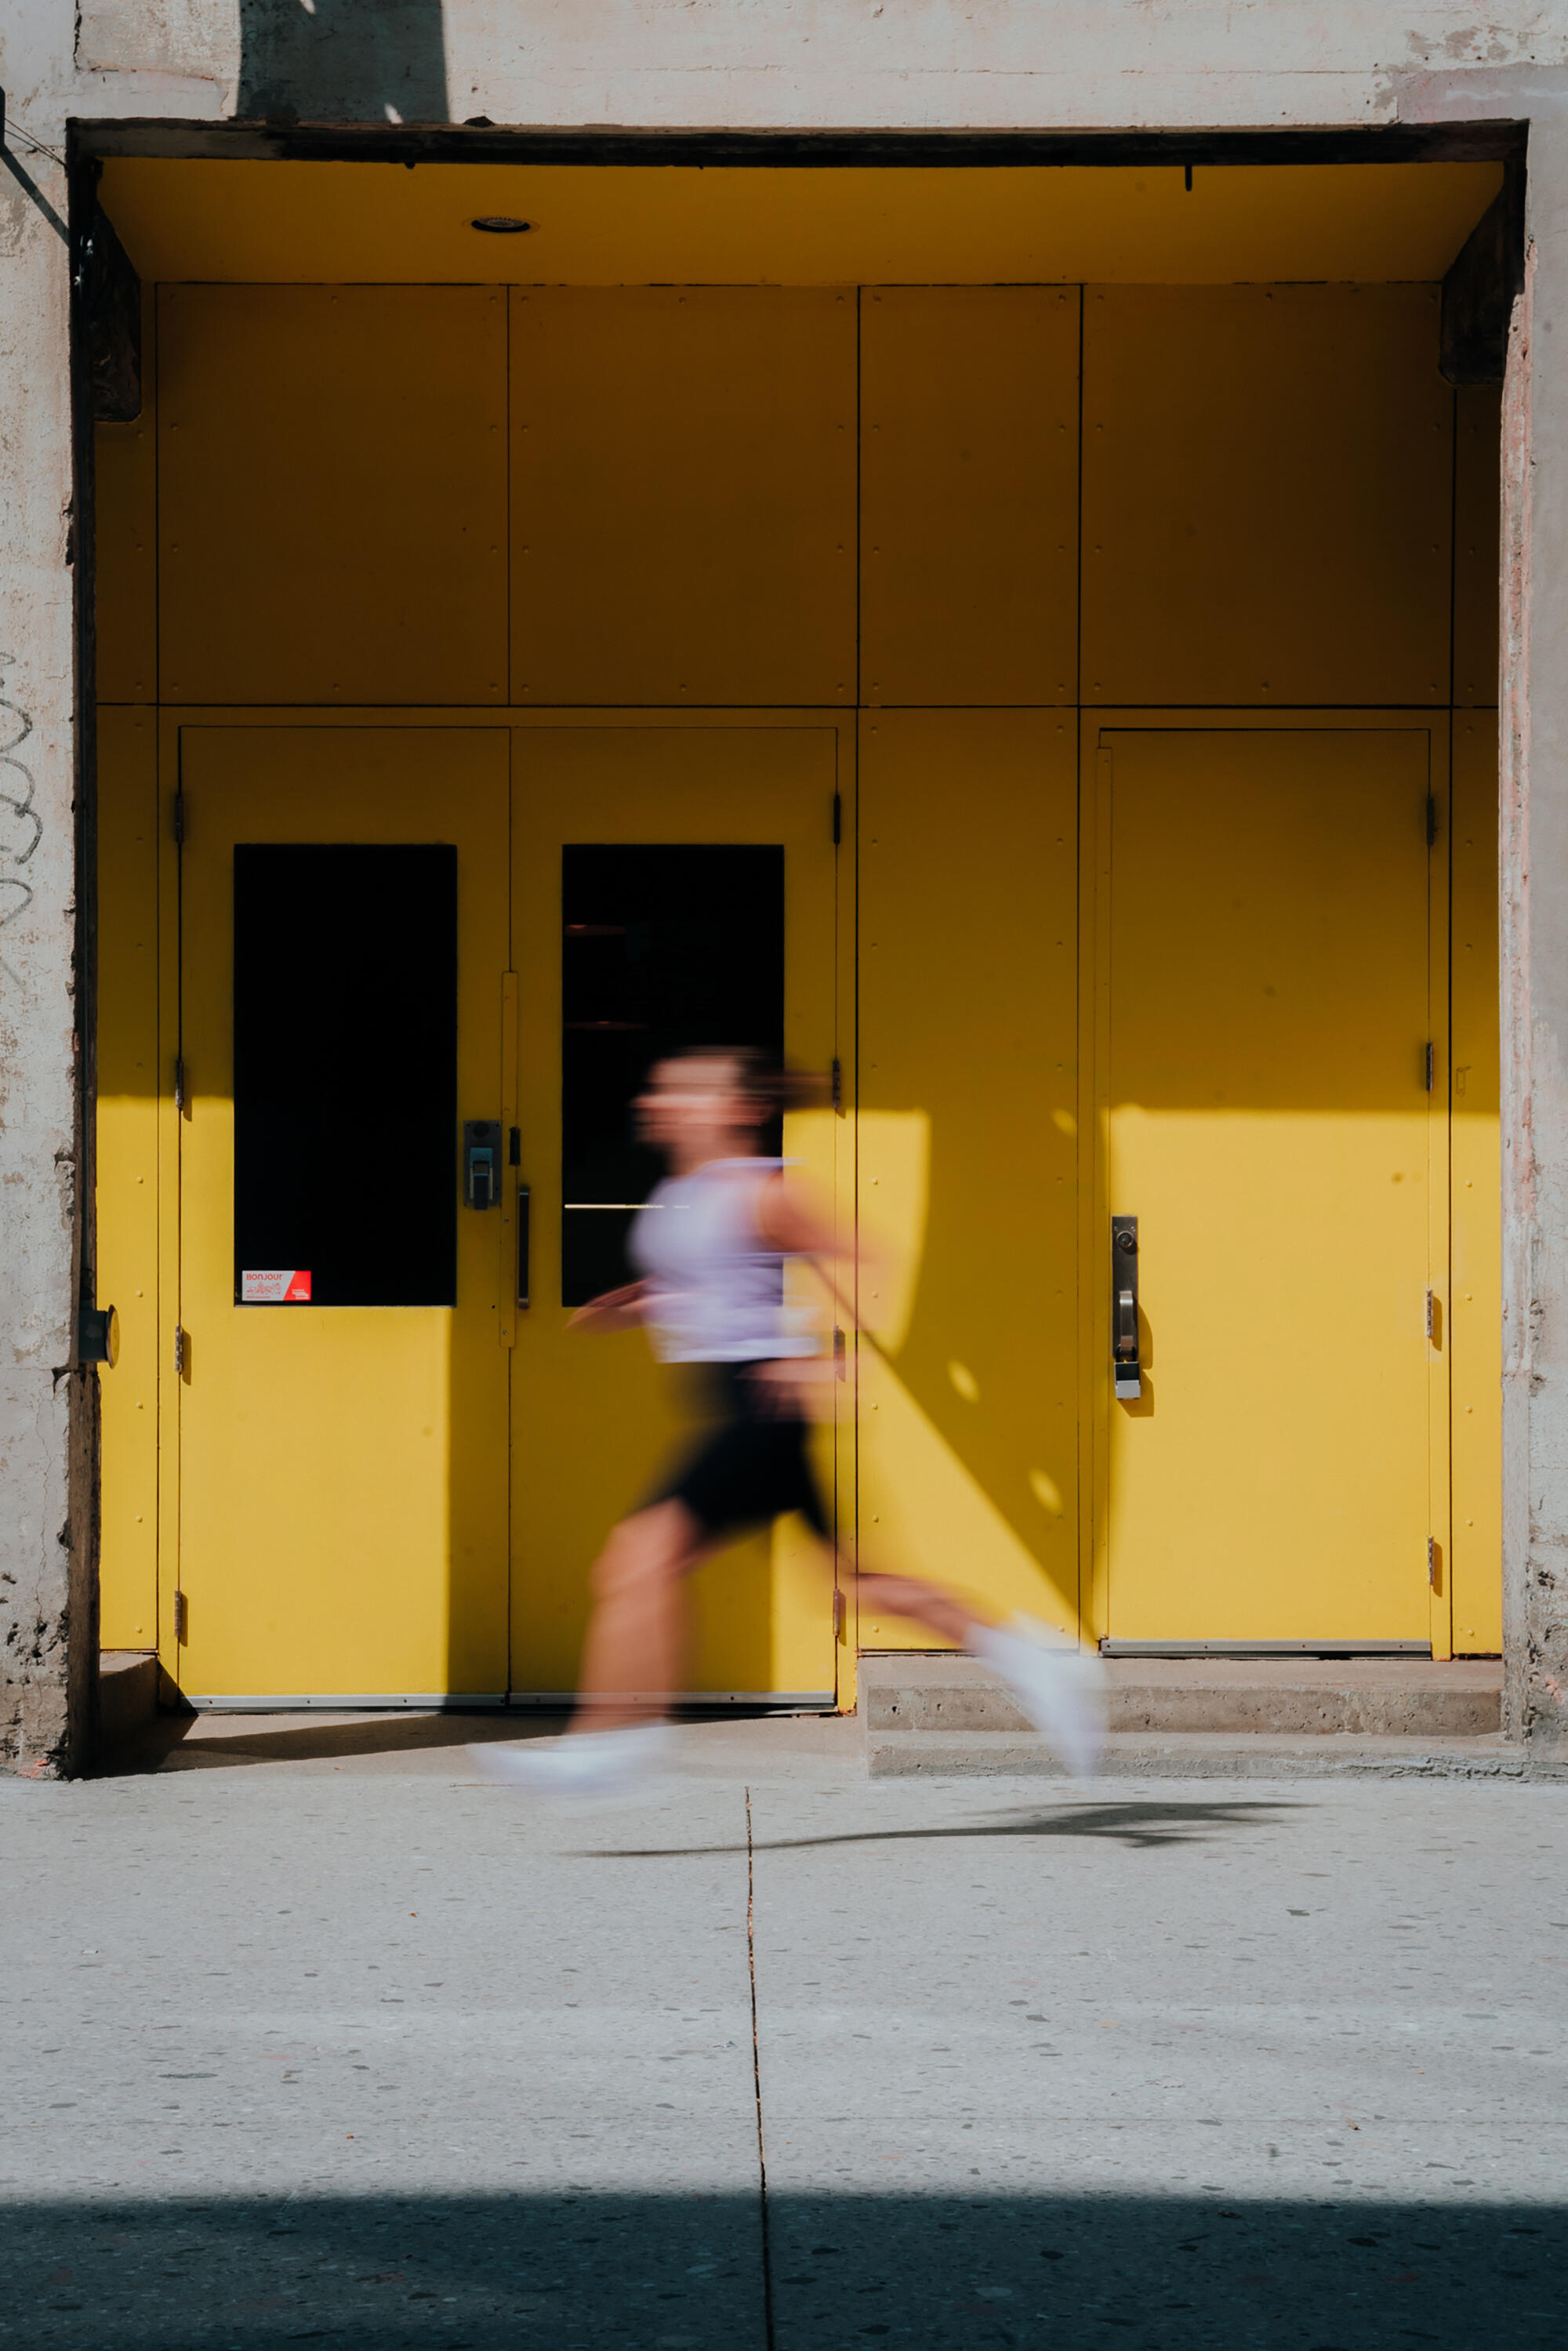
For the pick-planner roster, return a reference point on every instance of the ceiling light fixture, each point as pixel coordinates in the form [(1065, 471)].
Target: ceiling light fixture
[(500, 225)]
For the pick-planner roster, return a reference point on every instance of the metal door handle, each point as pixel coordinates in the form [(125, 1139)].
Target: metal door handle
[(1126, 1369)]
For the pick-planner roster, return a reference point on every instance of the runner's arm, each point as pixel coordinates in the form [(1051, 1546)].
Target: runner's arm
[(616, 1309), (796, 1229), (787, 1225)]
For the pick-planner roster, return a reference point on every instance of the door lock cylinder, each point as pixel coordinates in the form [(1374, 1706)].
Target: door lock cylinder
[(482, 1163)]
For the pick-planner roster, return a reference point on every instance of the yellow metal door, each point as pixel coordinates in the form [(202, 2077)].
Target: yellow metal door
[(1266, 1050), (343, 1512), (592, 1418)]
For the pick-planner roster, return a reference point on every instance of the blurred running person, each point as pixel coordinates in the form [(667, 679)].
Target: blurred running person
[(711, 1245)]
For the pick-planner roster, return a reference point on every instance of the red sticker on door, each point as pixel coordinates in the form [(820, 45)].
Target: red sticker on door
[(292, 1288)]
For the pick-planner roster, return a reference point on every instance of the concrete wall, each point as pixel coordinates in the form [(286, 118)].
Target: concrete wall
[(1535, 966), (803, 63), (1533, 697), (1269, 64), (47, 1617)]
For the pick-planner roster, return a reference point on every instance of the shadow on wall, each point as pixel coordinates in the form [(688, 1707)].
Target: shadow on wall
[(342, 60), (580, 2267)]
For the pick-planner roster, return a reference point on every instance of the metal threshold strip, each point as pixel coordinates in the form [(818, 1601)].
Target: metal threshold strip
[(477, 1702), (1112, 1649), (787, 1701)]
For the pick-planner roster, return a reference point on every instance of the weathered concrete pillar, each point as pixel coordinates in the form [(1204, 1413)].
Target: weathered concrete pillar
[(47, 1408), (1535, 727)]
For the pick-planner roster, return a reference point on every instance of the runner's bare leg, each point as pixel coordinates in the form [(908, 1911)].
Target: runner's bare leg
[(632, 1657)]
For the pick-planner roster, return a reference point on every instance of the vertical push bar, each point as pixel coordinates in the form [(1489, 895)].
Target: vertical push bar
[(524, 1201)]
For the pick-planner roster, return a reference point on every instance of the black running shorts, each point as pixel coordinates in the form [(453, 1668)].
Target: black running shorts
[(750, 1465)]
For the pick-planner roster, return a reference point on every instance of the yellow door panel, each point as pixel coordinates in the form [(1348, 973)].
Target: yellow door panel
[(126, 1172), (968, 1428), (969, 494), (1478, 486), (1266, 496), (343, 1512), (1476, 1308), (594, 1417), (125, 541), (683, 495), (332, 494), (1268, 1125)]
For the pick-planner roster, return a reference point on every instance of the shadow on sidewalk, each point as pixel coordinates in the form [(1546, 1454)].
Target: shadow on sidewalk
[(200, 1740), (1137, 1825), (577, 2267), (187, 1743)]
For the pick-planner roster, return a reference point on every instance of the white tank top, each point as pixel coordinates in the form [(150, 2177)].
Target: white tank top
[(717, 1291)]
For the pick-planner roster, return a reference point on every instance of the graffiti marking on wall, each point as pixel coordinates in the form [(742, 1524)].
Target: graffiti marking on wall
[(21, 827)]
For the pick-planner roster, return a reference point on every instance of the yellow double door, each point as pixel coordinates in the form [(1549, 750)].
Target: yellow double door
[(422, 969)]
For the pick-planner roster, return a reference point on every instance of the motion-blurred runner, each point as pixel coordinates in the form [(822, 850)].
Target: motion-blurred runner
[(711, 1243)]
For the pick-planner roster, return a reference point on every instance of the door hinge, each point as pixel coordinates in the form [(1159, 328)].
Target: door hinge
[(179, 1352), (1431, 1069), (1432, 1562), (178, 1082), (1431, 1313), (841, 1615), (1431, 818), (180, 1626), (836, 1075), (179, 815), (838, 818), (840, 1355)]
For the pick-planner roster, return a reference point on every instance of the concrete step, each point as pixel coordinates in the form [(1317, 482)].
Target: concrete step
[(931, 1694), (127, 1694)]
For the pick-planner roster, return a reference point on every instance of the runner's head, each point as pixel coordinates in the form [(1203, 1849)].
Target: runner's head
[(713, 1100)]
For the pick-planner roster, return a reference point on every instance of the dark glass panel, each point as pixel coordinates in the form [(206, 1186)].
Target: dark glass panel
[(663, 947), (346, 1072)]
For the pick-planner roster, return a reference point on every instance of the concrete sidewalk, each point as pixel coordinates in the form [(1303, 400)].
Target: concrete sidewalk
[(313, 2036)]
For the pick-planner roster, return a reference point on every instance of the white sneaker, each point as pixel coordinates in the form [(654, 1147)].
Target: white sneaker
[(583, 1763), (1061, 1690)]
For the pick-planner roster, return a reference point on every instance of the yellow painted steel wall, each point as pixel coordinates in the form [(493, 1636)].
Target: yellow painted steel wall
[(968, 855), (1269, 485), (968, 1176), (127, 1187), (1478, 443), (1476, 1279), (125, 499), (684, 485), (332, 494), (1476, 1157), (969, 494), (126, 1193)]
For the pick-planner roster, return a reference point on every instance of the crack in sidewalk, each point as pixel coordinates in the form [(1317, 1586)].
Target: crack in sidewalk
[(756, 2084)]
